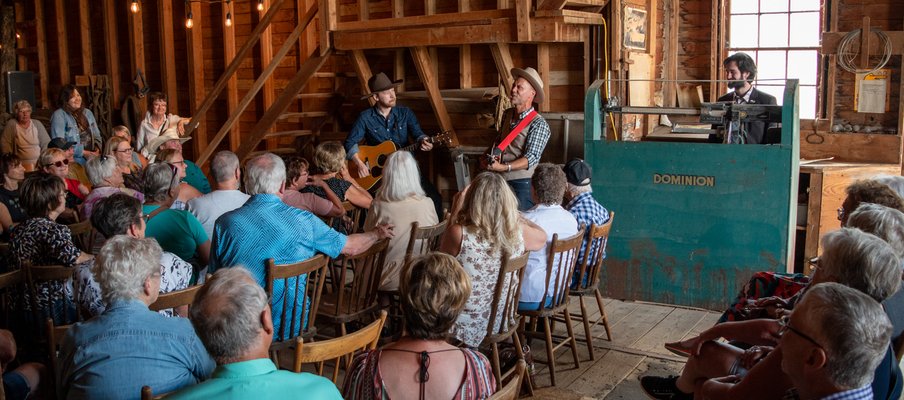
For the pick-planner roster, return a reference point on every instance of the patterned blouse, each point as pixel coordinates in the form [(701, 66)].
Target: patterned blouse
[(339, 186), (43, 242), (365, 382), (174, 275)]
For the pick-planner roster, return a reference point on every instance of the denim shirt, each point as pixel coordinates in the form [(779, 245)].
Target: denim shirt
[(63, 125), (127, 347), (374, 129)]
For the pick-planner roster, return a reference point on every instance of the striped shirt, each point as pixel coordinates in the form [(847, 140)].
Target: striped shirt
[(864, 393)]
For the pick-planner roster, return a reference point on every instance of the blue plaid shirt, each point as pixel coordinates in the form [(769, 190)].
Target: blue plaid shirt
[(587, 211), (864, 393)]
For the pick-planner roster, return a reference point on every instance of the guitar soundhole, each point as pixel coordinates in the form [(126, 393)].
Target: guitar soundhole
[(381, 159)]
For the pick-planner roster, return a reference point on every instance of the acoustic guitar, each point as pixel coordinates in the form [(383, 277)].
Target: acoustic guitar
[(374, 157)]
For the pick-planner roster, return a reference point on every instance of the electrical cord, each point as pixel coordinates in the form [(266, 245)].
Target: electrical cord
[(847, 55)]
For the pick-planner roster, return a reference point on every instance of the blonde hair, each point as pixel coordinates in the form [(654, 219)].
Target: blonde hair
[(48, 154), (112, 144), (491, 209), (434, 289), (329, 157)]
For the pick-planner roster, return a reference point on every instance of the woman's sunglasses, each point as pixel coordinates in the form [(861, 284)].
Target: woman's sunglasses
[(60, 164)]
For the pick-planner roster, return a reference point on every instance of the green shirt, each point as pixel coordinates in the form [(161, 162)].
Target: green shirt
[(177, 231), (259, 379), (195, 177)]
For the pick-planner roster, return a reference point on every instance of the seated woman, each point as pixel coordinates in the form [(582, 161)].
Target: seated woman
[(400, 201), (177, 231), (23, 136), (129, 162), (54, 161), (107, 180), (185, 192), (157, 120), (39, 240), (485, 224), (434, 289), (10, 211), (75, 124), (297, 178), (329, 158)]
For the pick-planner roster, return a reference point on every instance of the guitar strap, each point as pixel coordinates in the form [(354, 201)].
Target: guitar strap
[(518, 128)]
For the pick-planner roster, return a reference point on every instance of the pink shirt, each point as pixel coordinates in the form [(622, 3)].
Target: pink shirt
[(307, 201)]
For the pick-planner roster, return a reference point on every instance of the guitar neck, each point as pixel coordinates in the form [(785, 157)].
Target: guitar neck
[(414, 146)]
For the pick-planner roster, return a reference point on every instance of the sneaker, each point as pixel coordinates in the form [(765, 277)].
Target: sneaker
[(661, 388)]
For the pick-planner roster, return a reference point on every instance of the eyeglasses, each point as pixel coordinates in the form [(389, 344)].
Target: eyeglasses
[(126, 150), (813, 263), (840, 213), (785, 326), (178, 162), (60, 164), (175, 170)]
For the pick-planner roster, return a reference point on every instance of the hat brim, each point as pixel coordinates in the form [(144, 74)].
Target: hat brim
[(394, 84), (158, 141), (538, 86)]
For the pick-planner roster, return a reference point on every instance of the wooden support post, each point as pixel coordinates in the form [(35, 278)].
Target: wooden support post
[(359, 63), (41, 44), (20, 17), (398, 70), (671, 22), (196, 89), (7, 49), (865, 34), (503, 59), (62, 45), (551, 4), (522, 20), (112, 49), (363, 10), (167, 54), (232, 88), (136, 42), (543, 69), (429, 7), (830, 82), (268, 92), (901, 117), (84, 19), (464, 54), (422, 63), (329, 21)]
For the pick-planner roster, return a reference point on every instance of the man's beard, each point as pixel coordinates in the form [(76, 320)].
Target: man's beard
[(736, 84)]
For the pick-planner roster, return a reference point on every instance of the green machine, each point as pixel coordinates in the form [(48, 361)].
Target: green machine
[(693, 220)]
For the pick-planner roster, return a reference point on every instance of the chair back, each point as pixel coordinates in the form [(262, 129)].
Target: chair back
[(504, 307), (302, 285), (561, 258), (591, 264), (423, 239), (35, 276), (10, 282), (83, 235), (175, 298), (355, 280), (55, 335), (340, 350), (511, 389)]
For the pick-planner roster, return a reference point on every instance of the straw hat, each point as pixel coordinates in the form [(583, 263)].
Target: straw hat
[(533, 77), (169, 134)]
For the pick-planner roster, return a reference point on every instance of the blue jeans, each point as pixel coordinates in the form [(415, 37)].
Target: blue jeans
[(521, 187), (533, 305)]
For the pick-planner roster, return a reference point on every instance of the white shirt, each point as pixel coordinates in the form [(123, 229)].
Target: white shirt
[(553, 219), (211, 206)]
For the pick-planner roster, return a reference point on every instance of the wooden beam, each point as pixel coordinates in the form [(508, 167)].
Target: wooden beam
[(503, 59), (84, 19), (398, 70), (715, 53), (864, 42), (830, 83), (232, 92), (551, 4), (362, 69), (363, 10), (500, 30), (830, 40), (672, 26), (901, 119), (429, 7), (282, 102), (329, 21), (400, 21), (543, 68), (20, 18), (136, 43), (167, 54), (268, 92), (111, 48), (196, 87), (464, 53), (62, 45), (234, 66), (41, 44), (522, 20), (422, 63)]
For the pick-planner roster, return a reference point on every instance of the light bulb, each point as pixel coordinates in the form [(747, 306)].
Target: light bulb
[(260, 5), (228, 19), (188, 21), (18, 36), (134, 6)]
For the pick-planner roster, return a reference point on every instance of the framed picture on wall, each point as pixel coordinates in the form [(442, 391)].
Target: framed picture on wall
[(635, 31)]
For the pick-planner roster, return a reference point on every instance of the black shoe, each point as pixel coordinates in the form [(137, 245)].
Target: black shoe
[(663, 388)]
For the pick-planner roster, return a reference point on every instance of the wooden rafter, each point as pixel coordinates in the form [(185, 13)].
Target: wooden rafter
[(196, 87), (111, 46), (426, 72), (266, 57), (464, 54), (62, 45), (167, 54), (136, 44), (232, 90), (503, 59), (522, 20), (362, 69), (543, 69), (84, 19)]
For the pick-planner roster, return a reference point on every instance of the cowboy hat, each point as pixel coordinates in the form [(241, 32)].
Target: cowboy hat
[(533, 78), (379, 83), (169, 134)]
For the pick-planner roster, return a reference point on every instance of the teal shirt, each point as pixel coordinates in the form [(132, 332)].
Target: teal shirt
[(259, 379), (177, 231), (195, 177)]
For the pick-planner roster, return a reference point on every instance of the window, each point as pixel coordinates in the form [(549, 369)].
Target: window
[(782, 36)]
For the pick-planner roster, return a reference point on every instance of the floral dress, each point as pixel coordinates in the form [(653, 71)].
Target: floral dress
[(482, 265)]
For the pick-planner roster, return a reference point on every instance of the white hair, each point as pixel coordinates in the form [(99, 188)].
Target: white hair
[(401, 179), (895, 182), (100, 169), (884, 222), (160, 181), (265, 173), (861, 261), (123, 264), (576, 190), (223, 166)]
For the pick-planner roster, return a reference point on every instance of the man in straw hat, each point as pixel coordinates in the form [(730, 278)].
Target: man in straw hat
[(522, 136), (386, 121), (170, 139)]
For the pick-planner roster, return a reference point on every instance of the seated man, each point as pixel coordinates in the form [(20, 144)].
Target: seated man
[(232, 318), (170, 139), (227, 172), (128, 346), (832, 343), (580, 202), (548, 184)]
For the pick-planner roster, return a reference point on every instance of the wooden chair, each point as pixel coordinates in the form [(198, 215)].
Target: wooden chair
[(423, 239), (55, 335), (148, 394), (38, 274), (304, 280), (9, 282), (83, 235), (340, 350), (591, 267), (561, 258), (175, 298), (504, 307), (511, 389), (355, 280)]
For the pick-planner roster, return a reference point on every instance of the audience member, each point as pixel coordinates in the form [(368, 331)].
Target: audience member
[(265, 227), (579, 202), (484, 225), (74, 123), (120, 214), (434, 289), (185, 191), (54, 162), (23, 137), (227, 173), (548, 189), (156, 121), (76, 171), (329, 157), (868, 191), (122, 131), (177, 231), (832, 343), (232, 318), (400, 201), (193, 175), (129, 346), (10, 211), (25, 380), (121, 150), (106, 180), (297, 178)]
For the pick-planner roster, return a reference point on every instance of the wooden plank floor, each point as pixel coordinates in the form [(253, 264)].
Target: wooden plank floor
[(639, 329)]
